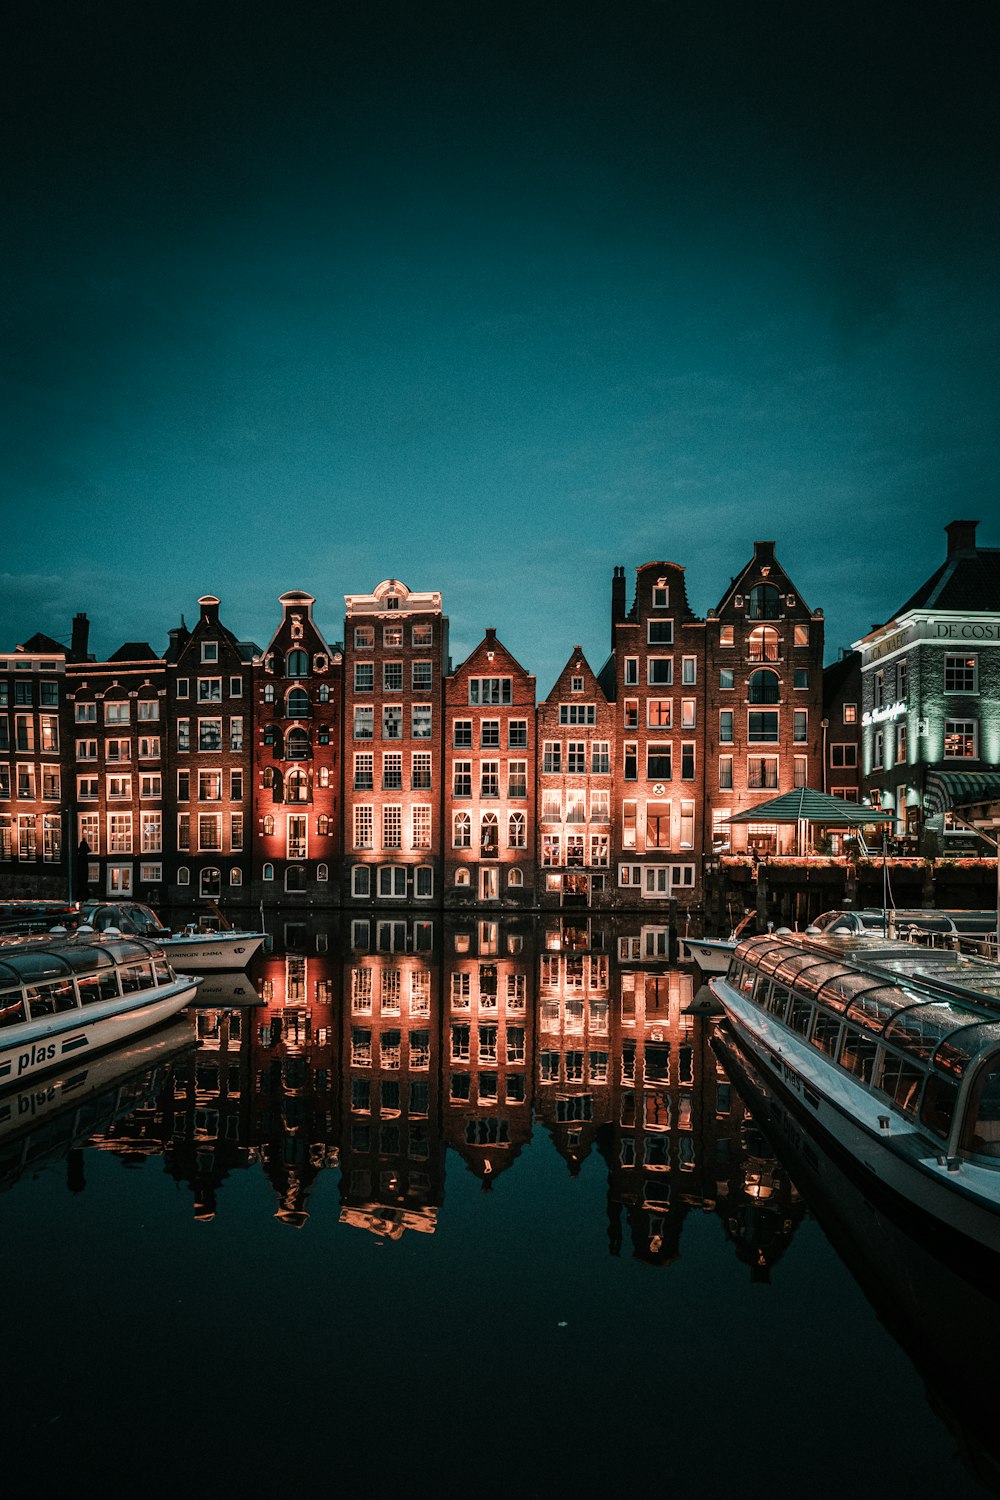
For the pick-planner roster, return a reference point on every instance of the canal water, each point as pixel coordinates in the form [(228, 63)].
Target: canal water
[(422, 1208)]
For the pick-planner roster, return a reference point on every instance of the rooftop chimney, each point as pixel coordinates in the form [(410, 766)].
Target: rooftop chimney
[(209, 605), (617, 598), (961, 537), (80, 638), (491, 633), (763, 552)]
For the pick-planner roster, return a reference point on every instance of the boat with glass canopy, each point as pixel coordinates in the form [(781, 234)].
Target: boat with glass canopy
[(66, 998), (893, 1052)]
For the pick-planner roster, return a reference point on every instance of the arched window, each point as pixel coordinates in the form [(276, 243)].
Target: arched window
[(514, 876), (361, 880), (489, 835), (517, 831), (297, 664), (267, 825), (324, 692), (210, 882), (324, 825), (764, 644), (323, 775), (236, 876), (297, 787), (273, 736), (295, 879), (183, 875), (462, 875), (267, 873), (765, 602), (277, 785), (297, 704), (269, 693), (764, 687), (297, 745), (423, 882), (268, 777), (462, 838), (322, 872)]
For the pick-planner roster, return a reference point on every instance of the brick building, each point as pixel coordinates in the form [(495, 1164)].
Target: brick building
[(577, 747), (395, 658), (842, 727), (296, 739), (117, 715), (764, 700), (656, 677), (208, 797), (489, 779)]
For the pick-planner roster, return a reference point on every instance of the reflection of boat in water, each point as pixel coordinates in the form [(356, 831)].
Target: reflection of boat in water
[(40, 1124), (64, 998), (947, 1324), (895, 1053), (225, 989)]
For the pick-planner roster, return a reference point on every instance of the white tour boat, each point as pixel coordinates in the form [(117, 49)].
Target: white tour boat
[(712, 955), (62, 999), (893, 1051), (228, 949)]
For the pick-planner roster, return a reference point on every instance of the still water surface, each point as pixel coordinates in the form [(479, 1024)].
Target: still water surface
[(458, 1209)]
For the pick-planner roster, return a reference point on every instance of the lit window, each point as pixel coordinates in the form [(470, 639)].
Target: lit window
[(960, 739)]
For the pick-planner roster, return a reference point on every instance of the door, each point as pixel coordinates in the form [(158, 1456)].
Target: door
[(120, 880), (489, 882), (210, 883)]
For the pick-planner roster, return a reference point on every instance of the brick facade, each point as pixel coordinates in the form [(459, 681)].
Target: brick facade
[(577, 752)]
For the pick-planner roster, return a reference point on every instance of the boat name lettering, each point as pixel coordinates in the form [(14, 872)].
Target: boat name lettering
[(38, 1052)]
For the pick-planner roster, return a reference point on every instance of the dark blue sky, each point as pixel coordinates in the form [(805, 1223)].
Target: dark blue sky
[(491, 297)]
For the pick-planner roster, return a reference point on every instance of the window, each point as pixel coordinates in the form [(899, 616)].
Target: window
[(726, 726), (392, 676), (48, 694), (119, 788), (552, 756), (422, 676), (689, 670), (762, 773), (517, 831), (726, 772), (517, 778), (660, 632), (600, 807), (420, 770), (364, 723), (363, 827), (551, 845), (578, 713), (392, 826), (209, 831), (461, 831), (843, 756), (800, 771), (183, 688), (209, 786), (420, 721), (660, 671), (800, 726), (765, 602), (392, 721), (209, 734), (421, 830), (850, 713), (551, 810), (210, 651), (392, 771), (576, 758), (629, 817), (600, 758), (764, 644), (961, 674), (490, 690), (209, 689), (727, 635), (120, 833), (296, 836), (659, 762), (657, 825), (85, 713), (764, 687), (517, 734), (184, 874), (364, 637), (151, 831), (659, 713), (462, 734), (118, 750), (361, 880), (150, 874), (489, 734), (462, 778), (630, 717), (364, 676), (688, 713), (631, 671), (489, 778), (235, 691), (661, 596), (762, 728), (687, 760), (149, 747), (960, 739), (150, 786), (630, 760), (801, 678), (116, 713), (422, 635), (878, 748), (800, 635), (297, 704)]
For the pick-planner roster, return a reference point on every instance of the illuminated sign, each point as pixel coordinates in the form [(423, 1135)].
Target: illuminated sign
[(881, 715)]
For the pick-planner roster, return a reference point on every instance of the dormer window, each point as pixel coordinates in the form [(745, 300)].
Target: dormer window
[(392, 601), (661, 596), (576, 684), (210, 651)]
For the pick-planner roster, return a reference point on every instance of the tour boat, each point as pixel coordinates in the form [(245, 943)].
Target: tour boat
[(65, 998), (893, 1052), (712, 955), (899, 922), (229, 949)]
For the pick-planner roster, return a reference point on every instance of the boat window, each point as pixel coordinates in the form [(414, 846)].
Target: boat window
[(800, 1015), (981, 1134), (790, 969), (876, 1006), (135, 977), (11, 1008), (51, 999), (922, 1027), (901, 1079), (96, 987), (162, 972), (938, 1104), (957, 1051), (858, 1052), (769, 961), (826, 1033), (777, 999), (748, 980), (33, 968), (811, 980), (83, 957)]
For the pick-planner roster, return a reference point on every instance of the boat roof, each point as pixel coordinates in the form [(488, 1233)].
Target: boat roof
[(33, 963), (926, 1000)]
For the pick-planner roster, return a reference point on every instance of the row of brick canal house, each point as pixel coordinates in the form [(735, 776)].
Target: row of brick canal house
[(310, 773)]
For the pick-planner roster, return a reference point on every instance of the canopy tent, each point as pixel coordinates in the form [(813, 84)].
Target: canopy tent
[(946, 790), (806, 807)]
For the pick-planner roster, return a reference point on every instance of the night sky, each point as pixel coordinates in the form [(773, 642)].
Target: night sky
[(491, 297)]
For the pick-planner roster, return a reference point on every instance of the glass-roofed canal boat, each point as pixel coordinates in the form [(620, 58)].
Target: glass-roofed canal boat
[(64, 998), (893, 1053)]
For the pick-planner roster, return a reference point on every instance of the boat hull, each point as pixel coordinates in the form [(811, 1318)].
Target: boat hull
[(958, 1203), (204, 952), (33, 1048), (712, 955)]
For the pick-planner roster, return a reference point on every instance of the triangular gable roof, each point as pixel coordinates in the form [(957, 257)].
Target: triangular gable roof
[(43, 643), (576, 666), (767, 559), (478, 657), (135, 651)]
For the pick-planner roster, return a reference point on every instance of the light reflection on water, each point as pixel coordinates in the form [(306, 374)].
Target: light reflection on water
[(539, 1242)]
